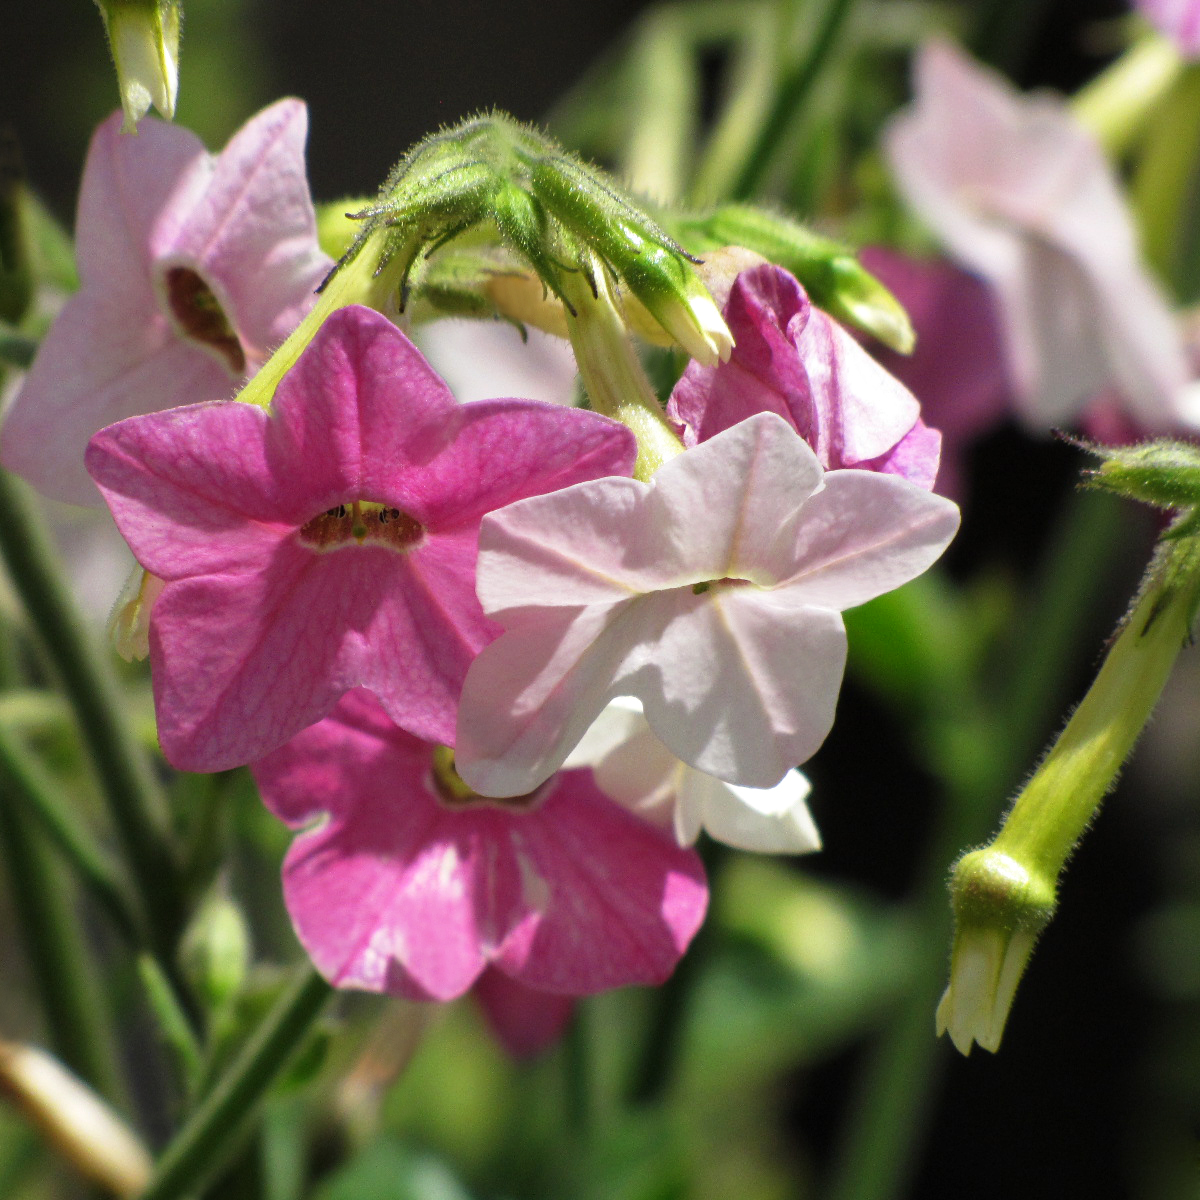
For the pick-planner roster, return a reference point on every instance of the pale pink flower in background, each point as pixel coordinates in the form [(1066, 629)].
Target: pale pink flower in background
[(1021, 193), (192, 267), (330, 543), (1178, 19), (957, 370), (478, 359), (713, 593), (403, 884), (633, 767), (792, 359)]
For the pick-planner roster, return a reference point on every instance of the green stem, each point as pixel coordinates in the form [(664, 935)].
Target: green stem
[(206, 1140), (793, 91), (133, 796), (888, 1116), (23, 777), (579, 1070), (66, 979)]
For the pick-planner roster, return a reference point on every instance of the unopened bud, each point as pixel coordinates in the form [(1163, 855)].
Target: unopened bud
[(144, 38), (1000, 908), (831, 275), (216, 949), (129, 623)]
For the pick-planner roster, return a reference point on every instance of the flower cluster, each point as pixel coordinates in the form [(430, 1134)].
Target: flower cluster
[(410, 613)]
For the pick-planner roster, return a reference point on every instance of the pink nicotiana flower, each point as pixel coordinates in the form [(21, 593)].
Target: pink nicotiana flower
[(713, 594), (329, 543), (957, 369), (405, 882), (1178, 19), (192, 268), (1020, 192), (633, 767), (792, 359)]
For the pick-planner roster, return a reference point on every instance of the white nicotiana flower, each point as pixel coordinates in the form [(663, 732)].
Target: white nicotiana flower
[(633, 767)]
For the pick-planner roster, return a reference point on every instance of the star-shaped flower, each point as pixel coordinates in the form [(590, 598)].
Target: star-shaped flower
[(713, 594), (792, 359), (405, 882), (1020, 192), (330, 543), (192, 268), (633, 767)]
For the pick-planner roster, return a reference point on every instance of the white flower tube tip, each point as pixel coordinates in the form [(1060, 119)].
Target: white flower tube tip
[(144, 38), (1000, 909)]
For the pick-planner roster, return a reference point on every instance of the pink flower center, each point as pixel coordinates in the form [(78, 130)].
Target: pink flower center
[(201, 318), (362, 521), (448, 786)]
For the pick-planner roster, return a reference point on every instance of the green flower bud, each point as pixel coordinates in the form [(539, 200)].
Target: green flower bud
[(143, 36), (560, 217), (833, 278), (1004, 894), (216, 949)]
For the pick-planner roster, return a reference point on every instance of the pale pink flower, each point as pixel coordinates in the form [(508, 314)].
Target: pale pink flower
[(633, 767), (1020, 192), (330, 543), (792, 359), (405, 883), (713, 593), (957, 370), (193, 268), (1178, 19)]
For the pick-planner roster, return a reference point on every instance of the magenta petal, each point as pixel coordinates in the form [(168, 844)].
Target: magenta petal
[(397, 891), (797, 362), (526, 1020), (259, 631)]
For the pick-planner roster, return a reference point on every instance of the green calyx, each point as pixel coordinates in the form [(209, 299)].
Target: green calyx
[(990, 888), (513, 188), (829, 271), (1163, 473)]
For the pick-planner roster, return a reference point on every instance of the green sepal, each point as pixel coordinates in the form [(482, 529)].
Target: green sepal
[(828, 269), (1163, 473), (563, 218)]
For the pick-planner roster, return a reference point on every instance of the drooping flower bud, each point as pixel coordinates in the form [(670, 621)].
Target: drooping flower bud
[(832, 276), (1000, 908), (1003, 895), (144, 38)]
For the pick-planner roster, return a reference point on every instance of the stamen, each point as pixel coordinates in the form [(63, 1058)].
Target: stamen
[(362, 521)]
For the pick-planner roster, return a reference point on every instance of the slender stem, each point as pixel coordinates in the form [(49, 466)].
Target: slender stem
[(23, 777), (72, 1002), (883, 1130), (209, 1136), (793, 91), (579, 1068), (133, 796)]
